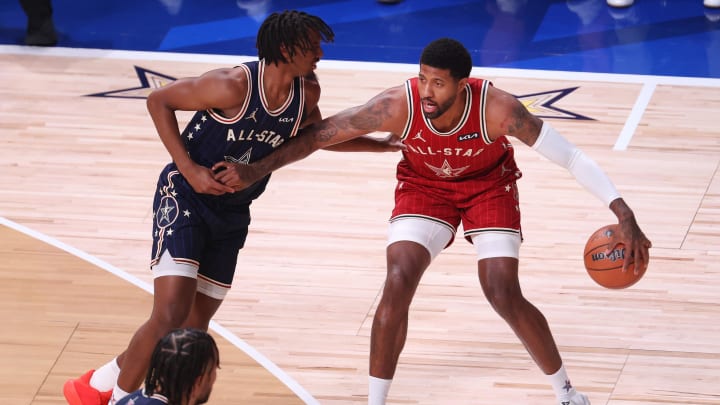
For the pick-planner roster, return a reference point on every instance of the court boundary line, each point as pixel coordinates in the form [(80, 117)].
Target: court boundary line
[(283, 377), (359, 65), (633, 120)]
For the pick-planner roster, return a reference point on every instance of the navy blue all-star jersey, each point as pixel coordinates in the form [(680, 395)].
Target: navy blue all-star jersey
[(202, 229), (251, 134)]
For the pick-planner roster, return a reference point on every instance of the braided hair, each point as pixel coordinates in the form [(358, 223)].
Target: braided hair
[(290, 29), (448, 54), (177, 361)]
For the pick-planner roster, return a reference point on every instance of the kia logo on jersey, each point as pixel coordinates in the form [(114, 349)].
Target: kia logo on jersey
[(467, 137)]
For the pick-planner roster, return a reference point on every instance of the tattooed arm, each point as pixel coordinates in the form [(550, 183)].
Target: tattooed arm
[(507, 116), (386, 112)]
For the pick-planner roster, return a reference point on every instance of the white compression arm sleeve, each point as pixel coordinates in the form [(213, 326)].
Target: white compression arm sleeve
[(555, 147)]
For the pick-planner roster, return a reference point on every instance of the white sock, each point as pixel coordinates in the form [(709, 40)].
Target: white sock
[(378, 390), (561, 384), (118, 394), (104, 378)]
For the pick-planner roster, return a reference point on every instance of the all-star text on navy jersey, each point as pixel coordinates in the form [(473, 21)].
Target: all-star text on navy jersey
[(251, 134)]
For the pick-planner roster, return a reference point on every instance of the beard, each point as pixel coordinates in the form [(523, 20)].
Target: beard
[(440, 109)]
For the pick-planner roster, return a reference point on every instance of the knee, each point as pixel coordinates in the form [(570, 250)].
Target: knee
[(400, 284), (505, 300), (170, 316), (397, 293)]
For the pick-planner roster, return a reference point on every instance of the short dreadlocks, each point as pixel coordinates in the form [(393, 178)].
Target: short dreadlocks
[(292, 29), (178, 360)]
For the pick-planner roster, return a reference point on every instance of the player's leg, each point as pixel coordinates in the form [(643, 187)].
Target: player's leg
[(178, 243), (412, 244), (203, 310), (219, 260), (174, 291), (492, 223), (40, 27), (406, 262), (499, 279), (498, 274), (185, 295), (172, 301)]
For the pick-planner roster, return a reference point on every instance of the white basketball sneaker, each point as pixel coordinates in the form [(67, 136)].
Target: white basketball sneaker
[(576, 399), (711, 3), (620, 3)]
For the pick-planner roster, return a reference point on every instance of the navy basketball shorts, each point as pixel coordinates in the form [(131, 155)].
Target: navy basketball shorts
[(198, 231)]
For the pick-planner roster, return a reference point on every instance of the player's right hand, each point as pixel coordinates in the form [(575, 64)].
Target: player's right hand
[(202, 180)]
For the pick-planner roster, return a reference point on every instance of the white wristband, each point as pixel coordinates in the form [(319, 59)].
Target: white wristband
[(559, 150)]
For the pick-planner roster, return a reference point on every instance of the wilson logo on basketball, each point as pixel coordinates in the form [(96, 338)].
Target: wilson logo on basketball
[(616, 254)]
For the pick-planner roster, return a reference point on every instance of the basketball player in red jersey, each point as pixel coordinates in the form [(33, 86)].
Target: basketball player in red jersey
[(458, 166)]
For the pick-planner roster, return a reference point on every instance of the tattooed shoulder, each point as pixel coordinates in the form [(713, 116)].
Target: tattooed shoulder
[(521, 123)]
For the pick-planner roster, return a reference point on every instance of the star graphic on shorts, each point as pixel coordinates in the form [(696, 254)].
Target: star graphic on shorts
[(446, 170), (165, 212)]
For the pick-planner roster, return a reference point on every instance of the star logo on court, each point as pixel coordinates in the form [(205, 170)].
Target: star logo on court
[(543, 104), (149, 81), (446, 171)]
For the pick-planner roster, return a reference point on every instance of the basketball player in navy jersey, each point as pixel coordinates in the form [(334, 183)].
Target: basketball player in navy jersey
[(242, 115), (183, 369), (457, 166)]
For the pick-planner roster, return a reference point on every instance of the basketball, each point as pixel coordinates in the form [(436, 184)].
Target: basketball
[(606, 269)]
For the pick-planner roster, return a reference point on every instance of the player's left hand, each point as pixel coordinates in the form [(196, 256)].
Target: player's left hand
[(637, 245)]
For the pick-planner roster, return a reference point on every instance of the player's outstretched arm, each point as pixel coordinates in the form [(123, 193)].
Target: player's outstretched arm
[(367, 143), (509, 116), (386, 112)]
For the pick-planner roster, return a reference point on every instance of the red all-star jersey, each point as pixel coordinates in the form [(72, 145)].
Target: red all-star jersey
[(445, 160)]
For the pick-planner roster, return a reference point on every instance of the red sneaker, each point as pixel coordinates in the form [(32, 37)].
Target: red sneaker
[(79, 392)]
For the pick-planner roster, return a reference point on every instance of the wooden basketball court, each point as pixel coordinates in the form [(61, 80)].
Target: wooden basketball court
[(79, 159)]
